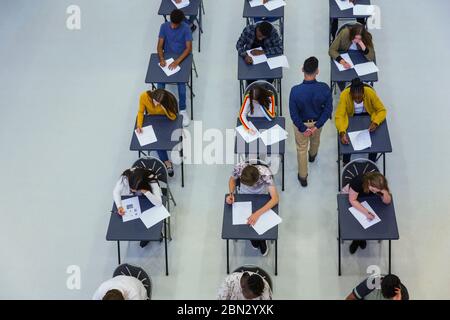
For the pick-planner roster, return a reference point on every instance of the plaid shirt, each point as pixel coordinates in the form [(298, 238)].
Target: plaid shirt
[(272, 45)]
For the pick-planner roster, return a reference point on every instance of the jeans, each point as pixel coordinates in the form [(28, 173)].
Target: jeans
[(163, 155), (181, 94)]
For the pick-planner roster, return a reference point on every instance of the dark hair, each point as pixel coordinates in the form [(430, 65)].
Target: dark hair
[(140, 178), (250, 175), (263, 96), (359, 29), (177, 16), (265, 28), (113, 295), (389, 284), (375, 179), (357, 89), (255, 283), (165, 98), (311, 65)]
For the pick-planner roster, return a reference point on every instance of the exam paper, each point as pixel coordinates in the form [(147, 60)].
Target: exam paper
[(274, 4), (363, 69), (274, 135), (132, 209), (257, 59), (246, 135), (166, 69), (154, 215), (344, 4), (182, 4), (241, 212), (360, 139), (363, 10), (266, 222), (278, 62), (147, 136), (256, 3), (347, 58), (362, 219)]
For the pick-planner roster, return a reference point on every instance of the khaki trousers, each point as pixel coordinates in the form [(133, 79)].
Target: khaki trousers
[(303, 143)]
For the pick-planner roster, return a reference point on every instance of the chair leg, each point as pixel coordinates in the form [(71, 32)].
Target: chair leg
[(170, 231), (172, 198), (195, 68)]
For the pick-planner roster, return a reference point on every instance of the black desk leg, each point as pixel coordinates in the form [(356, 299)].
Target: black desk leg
[(203, 7), (165, 247), (200, 27), (228, 257), (282, 30), (339, 256), (153, 86), (192, 95), (276, 257), (282, 172), (182, 162), (118, 251), (384, 164), (281, 99), (165, 18), (241, 89), (248, 21), (389, 256)]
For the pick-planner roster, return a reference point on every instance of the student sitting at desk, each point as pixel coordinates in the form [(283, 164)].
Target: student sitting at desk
[(259, 102), (261, 35), (358, 100), (138, 181), (364, 185), (176, 37), (121, 288), (254, 179), (387, 287), (244, 286), (158, 102)]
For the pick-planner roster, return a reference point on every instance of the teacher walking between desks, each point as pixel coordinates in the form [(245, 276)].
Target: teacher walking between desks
[(310, 106)]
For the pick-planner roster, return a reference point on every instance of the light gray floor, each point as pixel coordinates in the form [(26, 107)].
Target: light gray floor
[(68, 102)]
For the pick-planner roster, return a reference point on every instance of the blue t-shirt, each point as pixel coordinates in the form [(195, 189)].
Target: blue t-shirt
[(175, 39)]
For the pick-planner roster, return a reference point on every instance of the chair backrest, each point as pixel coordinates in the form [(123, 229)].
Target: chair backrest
[(136, 272), (154, 164), (346, 25), (356, 168), (257, 270), (252, 162), (266, 85)]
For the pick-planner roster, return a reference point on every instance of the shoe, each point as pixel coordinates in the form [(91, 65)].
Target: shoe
[(312, 159), (303, 182), (186, 120), (255, 244), (170, 171), (264, 248), (143, 243), (354, 247), (362, 244), (193, 28)]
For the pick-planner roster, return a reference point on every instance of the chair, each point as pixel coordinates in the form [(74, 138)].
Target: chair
[(268, 86), (355, 168), (257, 270), (159, 168), (136, 272)]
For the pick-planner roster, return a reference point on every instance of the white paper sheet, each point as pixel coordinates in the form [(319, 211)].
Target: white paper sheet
[(344, 4), (360, 139), (266, 222), (182, 4), (147, 136), (362, 219), (246, 135), (363, 10), (132, 209), (166, 69), (241, 212), (274, 4), (256, 3), (274, 135), (347, 58), (154, 215), (363, 69), (278, 62), (257, 59)]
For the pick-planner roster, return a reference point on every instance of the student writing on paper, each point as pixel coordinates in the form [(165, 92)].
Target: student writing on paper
[(158, 102), (359, 99), (121, 288), (175, 37), (254, 179), (310, 106), (388, 287), (259, 102), (244, 286), (364, 185), (335, 22), (138, 181)]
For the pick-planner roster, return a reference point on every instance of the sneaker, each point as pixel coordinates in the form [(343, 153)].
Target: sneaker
[(362, 244), (170, 171), (255, 244), (312, 159), (186, 120), (143, 243), (303, 182), (354, 247), (264, 248)]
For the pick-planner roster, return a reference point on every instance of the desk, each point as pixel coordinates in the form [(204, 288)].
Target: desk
[(259, 72), (381, 142), (336, 13), (262, 12), (350, 74), (135, 230), (193, 9), (169, 134), (351, 229), (245, 232), (156, 75), (258, 147)]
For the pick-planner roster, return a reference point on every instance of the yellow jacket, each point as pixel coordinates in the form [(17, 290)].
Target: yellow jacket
[(346, 108), (147, 106)]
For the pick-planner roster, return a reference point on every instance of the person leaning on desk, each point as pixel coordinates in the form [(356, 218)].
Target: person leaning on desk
[(258, 103), (158, 102), (358, 100)]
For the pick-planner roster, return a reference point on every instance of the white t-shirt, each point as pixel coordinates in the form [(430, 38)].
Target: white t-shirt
[(359, 108), (353, 47), (131, 288)]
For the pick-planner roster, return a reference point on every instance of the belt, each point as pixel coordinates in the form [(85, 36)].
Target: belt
[(310, 120)]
